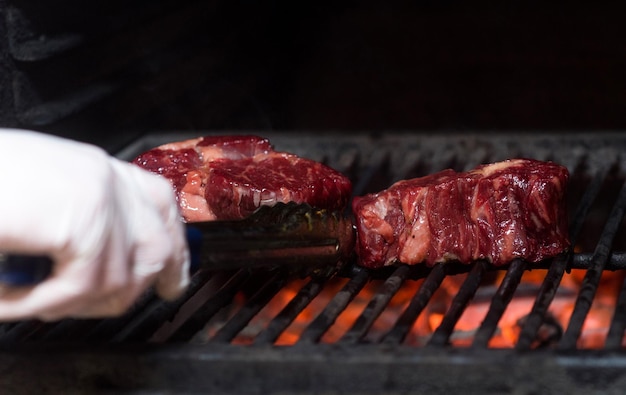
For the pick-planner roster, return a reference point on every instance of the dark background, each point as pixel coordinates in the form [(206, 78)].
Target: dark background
[(107, 71)]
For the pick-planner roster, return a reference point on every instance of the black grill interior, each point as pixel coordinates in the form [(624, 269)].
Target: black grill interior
[(108, 70)]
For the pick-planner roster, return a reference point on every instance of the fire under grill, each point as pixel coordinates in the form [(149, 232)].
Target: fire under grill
[(523, 328)]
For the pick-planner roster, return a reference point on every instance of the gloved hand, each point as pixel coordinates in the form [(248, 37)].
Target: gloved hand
[(112, 228)]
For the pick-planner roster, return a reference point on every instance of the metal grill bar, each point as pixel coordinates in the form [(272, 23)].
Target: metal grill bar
[(69, 330), (138, 324), (21, 331), (421, 298), (542, 302), (466, 293), (212, 305), (289, 313), (555, 272), (250, 309), (592, 277), (618, 323), (327, 317), (500, 301), (376, 306), (616, 261), (60, 331), (149, 320)]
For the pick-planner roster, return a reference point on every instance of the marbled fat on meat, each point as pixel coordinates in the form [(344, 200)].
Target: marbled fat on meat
[(229, 177), (498, 212)]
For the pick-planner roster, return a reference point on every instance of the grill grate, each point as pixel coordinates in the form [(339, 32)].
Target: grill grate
[(291, 311), (592, 277), (193, 344), (499, 303), (618, 325), (470, 286), (374, 162), (418, 303), (376, 306)]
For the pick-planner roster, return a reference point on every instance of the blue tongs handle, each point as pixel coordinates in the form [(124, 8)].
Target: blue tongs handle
[(23, 270)]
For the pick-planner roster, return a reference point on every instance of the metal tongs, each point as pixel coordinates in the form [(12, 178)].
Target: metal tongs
[(291, 235), (283, 235)]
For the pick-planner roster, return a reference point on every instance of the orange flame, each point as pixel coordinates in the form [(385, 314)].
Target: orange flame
[(593, 334)]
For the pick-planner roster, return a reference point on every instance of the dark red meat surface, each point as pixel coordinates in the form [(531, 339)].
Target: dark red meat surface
[(229, 177), (498, 212)]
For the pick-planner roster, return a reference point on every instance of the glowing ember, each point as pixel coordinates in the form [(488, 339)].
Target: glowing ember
[(593, 334)]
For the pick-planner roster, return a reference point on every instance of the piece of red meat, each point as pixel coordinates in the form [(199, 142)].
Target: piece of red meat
[(229, 177), (498, 212)]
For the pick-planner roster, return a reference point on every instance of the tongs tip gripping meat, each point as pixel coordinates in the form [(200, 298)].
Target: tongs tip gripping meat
[(287, 234)]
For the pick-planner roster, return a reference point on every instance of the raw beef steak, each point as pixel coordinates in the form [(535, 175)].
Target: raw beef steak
[(229, 177), (497, 212)]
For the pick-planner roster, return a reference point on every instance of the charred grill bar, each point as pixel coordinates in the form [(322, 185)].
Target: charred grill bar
[(192, 344)]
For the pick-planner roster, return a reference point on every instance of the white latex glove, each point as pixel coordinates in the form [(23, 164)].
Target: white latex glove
[(112, 228)]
